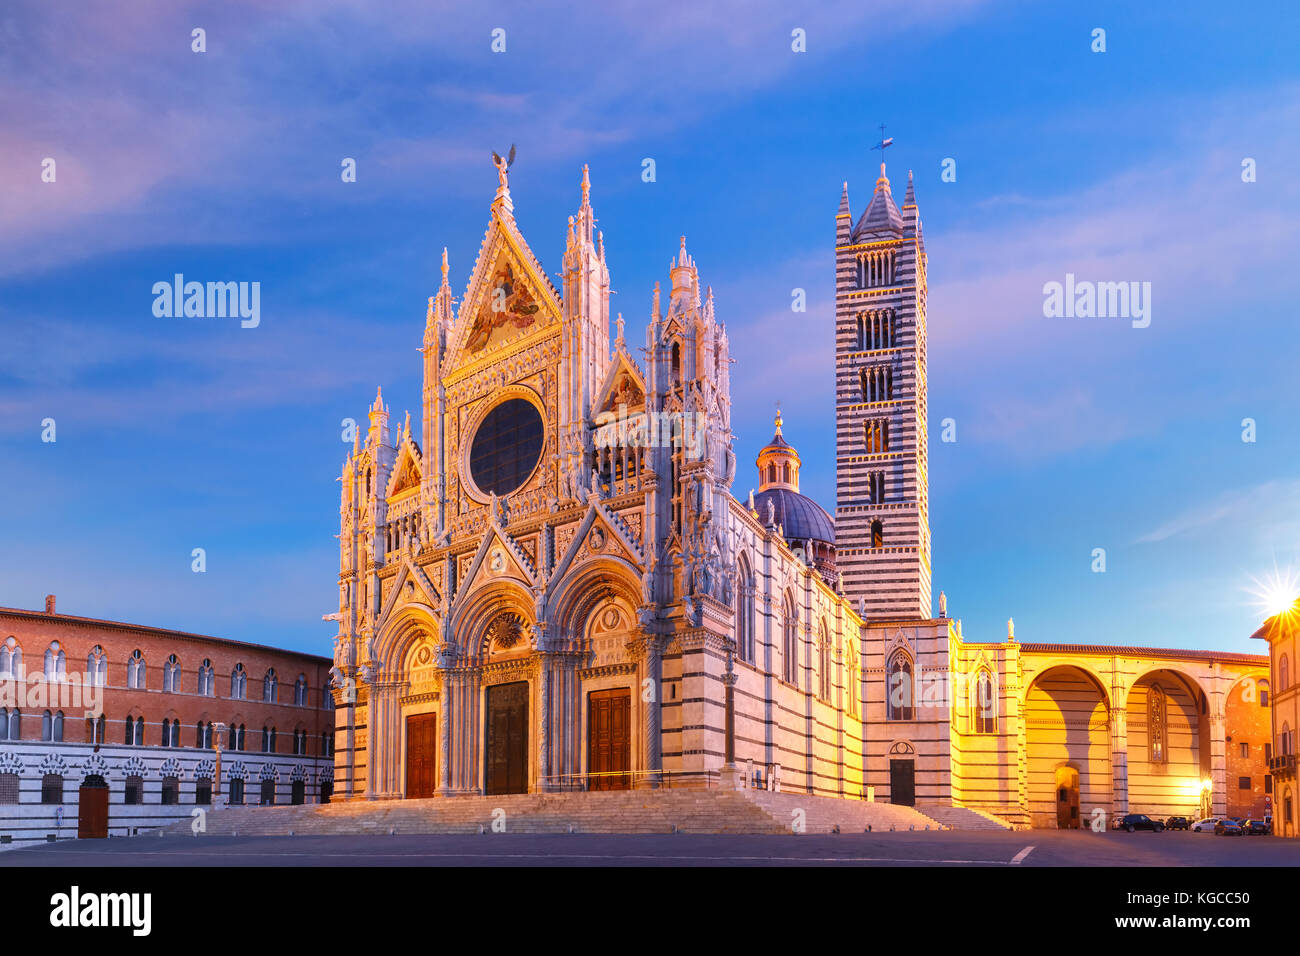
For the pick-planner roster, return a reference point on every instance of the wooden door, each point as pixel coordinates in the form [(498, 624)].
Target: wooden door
[(421, 752), (1067, 799), (609, 739), (506, 753), (902, 782), (92, 811)]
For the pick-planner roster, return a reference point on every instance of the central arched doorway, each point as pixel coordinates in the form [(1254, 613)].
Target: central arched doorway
[(506, 753)]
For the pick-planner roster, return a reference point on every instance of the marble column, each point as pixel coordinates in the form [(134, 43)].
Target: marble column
[(1118, 763), (653, 722), (1218, 764)]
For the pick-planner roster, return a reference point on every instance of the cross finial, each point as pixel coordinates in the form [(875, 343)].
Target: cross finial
[(884, 144)]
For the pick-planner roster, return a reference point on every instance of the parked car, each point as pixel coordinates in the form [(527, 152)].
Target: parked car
[(1229, 828), (1254, 827), (1140, 821), (1177, 823), (1205, 826)]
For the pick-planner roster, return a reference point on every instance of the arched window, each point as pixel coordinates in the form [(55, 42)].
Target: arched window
[(986, 703), (268, 740), (1284, 740), (97, 667), (56, 663), (96, 729), (300, 743), (207, 682), (877, 534), (135, 732), (238, 682), (898, 691), (677, 363), (269, 685), (236, 737), (1283, 673), (824, 662), (789, 643), (326, 744), (135, 671), (851, 685), (300, 691), (11, 659), (744, 611), (172, 675), (1156, 725)]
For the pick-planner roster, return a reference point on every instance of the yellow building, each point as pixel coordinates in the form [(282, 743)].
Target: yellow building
[(1280, 632)]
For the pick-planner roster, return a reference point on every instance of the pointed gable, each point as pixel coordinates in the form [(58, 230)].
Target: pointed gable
[(407, 471), (624, 386), (509, 296)]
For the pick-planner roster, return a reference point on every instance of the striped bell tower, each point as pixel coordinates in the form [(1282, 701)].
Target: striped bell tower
[(882, 523)]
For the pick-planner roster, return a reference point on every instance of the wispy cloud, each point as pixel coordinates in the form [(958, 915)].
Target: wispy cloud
[(1265, 513)]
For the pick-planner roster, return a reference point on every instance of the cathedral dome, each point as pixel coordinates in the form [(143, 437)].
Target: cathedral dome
[(799, 516), (804, 523)]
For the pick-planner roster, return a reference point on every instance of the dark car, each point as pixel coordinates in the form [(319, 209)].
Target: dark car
[(1140, 821), (1229, 828), (1177, 823), (1254, 827)]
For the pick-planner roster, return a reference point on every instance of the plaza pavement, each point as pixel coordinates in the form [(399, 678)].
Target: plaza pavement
[(946, 848)]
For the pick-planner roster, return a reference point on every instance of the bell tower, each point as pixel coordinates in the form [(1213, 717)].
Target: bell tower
[(882, 486)]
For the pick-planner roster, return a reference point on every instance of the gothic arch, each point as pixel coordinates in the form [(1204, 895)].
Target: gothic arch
[(584, 588), (402, 631), (470, 622)]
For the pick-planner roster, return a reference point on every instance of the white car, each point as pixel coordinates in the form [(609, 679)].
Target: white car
[(1205, 826)]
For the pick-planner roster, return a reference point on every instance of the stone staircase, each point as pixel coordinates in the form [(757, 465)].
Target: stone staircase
[(628, 811), (824, 814), (967, 818)]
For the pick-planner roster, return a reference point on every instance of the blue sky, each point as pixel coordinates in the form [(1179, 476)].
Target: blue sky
[(1073, 434)]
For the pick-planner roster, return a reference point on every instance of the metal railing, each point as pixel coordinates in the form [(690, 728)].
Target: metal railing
[(629, 780)]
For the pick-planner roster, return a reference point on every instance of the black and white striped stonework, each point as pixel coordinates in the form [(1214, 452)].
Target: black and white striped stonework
[(882, 533)]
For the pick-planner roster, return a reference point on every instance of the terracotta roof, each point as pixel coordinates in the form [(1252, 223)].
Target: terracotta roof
[(145, 629), (1118, 649)]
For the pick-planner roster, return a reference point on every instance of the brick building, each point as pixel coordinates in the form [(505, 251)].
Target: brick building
[(1249, 749), (87, 702)]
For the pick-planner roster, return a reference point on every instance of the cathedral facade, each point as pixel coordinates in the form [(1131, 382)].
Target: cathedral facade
[(558, 583)]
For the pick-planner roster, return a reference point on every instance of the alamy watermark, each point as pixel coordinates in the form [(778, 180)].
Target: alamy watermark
[(210, 300), (1101, 300)]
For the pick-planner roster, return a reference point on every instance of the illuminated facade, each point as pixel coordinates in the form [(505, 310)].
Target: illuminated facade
[(552, 583), (1280, 631)]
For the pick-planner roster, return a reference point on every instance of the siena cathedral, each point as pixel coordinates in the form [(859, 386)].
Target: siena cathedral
[(558, 584)]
